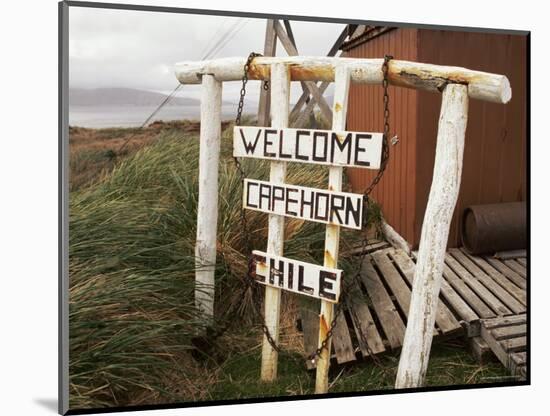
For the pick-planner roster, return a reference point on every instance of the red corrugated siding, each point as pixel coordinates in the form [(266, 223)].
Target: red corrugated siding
[(495, 152), (494, 167), (396, 191)]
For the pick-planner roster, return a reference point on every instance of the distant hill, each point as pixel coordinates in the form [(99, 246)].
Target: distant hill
[(102, 97)]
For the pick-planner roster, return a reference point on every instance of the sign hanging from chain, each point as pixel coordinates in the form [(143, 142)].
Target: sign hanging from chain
[(318, 205), (296, 276), (323, 147)]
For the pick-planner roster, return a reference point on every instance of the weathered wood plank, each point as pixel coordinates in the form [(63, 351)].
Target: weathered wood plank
[(341, 340), (502, 294), (515, 266), (310, 331), (363, 323), (506, 332), (505, 321), (491, 300), (395, 282), (522, 261), (498, 276), (514, 344), (390, 320), (474, 301), (506, 271), (462, 309)]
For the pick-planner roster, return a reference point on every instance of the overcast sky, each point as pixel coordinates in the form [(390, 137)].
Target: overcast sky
[(138, 49)]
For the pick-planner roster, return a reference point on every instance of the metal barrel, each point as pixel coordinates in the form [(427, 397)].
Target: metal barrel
[(495, 227)]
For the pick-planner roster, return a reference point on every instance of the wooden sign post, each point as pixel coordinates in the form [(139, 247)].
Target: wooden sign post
[(280, 145), (280, 90), (332, 238)]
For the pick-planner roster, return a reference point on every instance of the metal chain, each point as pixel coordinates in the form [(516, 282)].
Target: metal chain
[(249, 278)]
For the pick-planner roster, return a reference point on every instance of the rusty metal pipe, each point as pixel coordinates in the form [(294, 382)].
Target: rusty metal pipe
[(487, 229)]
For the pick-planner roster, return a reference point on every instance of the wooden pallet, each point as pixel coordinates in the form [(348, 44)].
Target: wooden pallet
[(507, 339), (376, 308)]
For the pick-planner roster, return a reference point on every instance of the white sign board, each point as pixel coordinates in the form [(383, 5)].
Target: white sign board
[(297, 276), (328, 207), (323, 147)]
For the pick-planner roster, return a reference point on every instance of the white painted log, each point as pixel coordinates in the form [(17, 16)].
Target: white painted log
[(270, 48), (207, 210), (280, 93), (433, 241), (481, 85), (394, 238), (332, 238)]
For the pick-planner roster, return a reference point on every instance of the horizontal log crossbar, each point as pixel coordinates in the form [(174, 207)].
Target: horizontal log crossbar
[(481, 85)]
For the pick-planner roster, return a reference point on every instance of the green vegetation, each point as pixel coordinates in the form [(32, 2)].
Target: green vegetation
[(132, 319)]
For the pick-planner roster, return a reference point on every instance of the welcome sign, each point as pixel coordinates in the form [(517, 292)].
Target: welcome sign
[(323, 147)]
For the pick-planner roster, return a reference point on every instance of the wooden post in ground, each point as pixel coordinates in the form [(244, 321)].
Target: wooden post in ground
[(280, 93), (332, 237), (207, 218), (433, 241), (270, 47)]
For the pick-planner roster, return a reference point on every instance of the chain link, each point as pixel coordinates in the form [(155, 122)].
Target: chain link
[(249, 279)]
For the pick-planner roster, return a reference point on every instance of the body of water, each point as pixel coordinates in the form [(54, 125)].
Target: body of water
[(126, 116)]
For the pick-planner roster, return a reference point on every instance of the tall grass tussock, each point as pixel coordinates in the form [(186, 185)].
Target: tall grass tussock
[(132, 235)]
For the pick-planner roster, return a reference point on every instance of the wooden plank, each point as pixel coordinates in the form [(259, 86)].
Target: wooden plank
[(310, 328), (474, 301), (506, 271), (491, 300), (341, 340), (385, 309), (519, 358), (327, 207), (522, 261), (316, 146), (514, 344), (498, 276), (373, 245), (502, 294), (518, 364), (506, 332), (512, 254), (505, 321), (444, 319), (515, 266), (495, 346), (480, 349), (363, 323), (395, 282), (459, 306)]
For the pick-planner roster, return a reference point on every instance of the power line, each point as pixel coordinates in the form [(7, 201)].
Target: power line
[(229, 34)]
